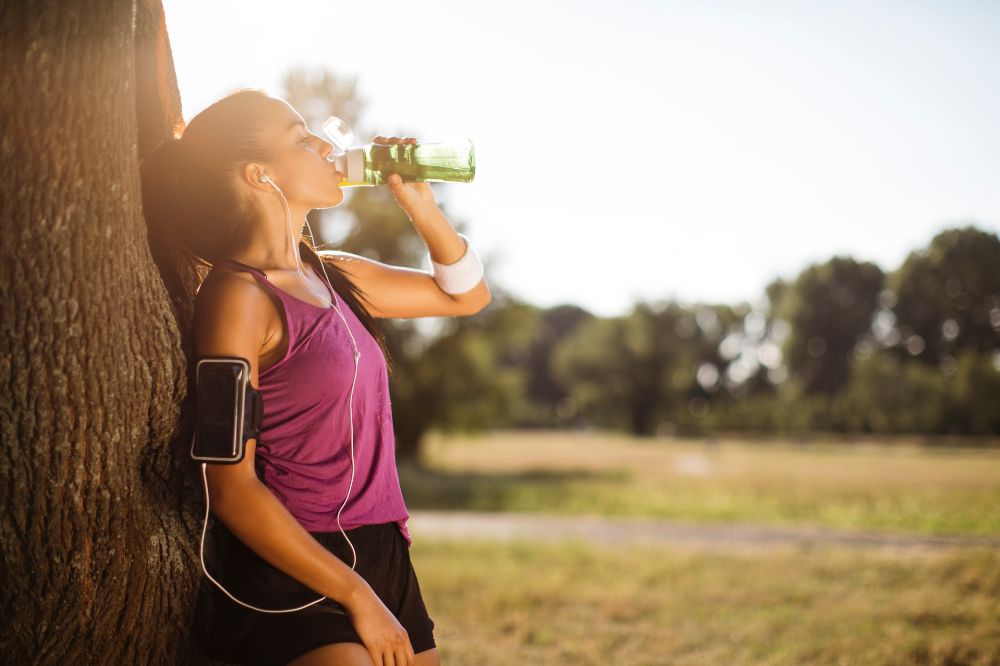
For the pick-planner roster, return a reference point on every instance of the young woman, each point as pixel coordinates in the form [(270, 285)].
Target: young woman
[(219, 198)]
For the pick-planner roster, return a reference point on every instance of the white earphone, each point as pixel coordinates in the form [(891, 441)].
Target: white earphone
[(264, 178)]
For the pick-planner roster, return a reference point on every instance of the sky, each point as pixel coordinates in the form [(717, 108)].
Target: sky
[(654, 150)]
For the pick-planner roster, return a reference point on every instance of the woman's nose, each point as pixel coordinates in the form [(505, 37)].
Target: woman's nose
[(325, 148)]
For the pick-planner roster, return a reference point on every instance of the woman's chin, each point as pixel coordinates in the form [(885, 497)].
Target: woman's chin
[(335, 200)]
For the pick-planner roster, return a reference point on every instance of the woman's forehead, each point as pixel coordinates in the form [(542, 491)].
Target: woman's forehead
[(284, 117)]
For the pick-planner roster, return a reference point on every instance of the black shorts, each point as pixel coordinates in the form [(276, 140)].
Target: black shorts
[(226, 631)]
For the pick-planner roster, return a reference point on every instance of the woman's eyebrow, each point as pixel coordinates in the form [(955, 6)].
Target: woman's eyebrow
[(295, 123)]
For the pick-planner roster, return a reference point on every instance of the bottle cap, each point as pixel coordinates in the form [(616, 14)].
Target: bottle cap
[(340, 133), (351, 164)]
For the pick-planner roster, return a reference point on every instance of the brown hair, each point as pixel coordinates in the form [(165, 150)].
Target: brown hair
[(195, 215)]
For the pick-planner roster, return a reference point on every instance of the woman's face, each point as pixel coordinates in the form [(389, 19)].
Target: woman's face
[(299, 166)]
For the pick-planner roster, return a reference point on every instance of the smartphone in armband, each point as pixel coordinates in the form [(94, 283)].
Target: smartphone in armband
[(228, 410)]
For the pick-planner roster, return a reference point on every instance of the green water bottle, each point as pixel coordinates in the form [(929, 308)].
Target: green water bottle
[(439, 161)]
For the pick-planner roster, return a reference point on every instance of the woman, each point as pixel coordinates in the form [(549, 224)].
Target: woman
[(222, 196)]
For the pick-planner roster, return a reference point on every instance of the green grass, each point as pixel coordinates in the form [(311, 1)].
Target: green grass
[(532, 603), (899, 487)]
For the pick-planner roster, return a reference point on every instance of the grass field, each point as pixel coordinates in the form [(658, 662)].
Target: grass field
[(505, 602), (513, 603), (899, 487)]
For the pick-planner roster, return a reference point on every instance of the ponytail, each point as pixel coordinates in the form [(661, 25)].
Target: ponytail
[(163, 206)]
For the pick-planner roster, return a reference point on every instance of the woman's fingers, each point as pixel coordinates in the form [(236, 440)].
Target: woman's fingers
[(404, 655), (411, 658), (398, 652)]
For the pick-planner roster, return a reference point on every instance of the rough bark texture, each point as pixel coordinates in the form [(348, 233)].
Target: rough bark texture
[(100, 508)]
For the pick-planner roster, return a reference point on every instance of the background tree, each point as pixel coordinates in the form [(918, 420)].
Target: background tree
[(948, 295), (976, 392), (736, 356), (626, 372), (463, 380), (593, 363), (828, 306), (546, 401), (99, 520), (887, 395)]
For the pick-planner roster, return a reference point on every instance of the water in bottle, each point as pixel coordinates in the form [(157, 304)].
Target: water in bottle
[(372, 164)]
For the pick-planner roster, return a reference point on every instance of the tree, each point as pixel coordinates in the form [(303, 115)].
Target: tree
[(948, 295), (546, 400), (99, 520), (460, 380), (736, 353), (628, 372), (976, 386), (828, 306), (887, 395)]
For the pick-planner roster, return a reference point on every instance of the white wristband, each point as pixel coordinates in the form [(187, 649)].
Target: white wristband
[(461, 276)]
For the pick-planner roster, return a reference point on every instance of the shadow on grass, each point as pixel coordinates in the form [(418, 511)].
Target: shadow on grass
[(426, 488)]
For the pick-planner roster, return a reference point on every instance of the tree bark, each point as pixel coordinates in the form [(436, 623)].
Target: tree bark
[(100, 506)]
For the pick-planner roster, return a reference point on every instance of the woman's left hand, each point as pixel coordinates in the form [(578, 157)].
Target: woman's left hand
[(416, 199)]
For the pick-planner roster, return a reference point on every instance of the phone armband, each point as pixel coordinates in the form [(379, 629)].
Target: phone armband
[(228, 410)]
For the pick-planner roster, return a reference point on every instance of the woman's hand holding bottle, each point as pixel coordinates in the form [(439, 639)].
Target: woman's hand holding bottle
[(415, 198)]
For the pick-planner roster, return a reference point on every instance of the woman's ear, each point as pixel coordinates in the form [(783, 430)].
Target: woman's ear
[(255, 175)]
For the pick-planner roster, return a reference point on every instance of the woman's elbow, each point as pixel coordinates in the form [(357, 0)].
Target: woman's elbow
[(478, 298)]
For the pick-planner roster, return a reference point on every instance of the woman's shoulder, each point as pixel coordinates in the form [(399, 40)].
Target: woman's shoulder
[(235, 304), (234, 297), (225, 281)]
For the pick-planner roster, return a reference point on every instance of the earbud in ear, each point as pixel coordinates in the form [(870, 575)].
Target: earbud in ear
[(265, 178)]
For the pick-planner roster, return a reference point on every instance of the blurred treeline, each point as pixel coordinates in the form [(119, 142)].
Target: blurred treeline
[(842, 347)]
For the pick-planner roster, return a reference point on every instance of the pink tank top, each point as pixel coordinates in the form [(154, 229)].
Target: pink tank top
[(304, 451)]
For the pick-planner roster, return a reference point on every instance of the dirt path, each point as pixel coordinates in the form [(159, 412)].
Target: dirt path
[(615, 531)]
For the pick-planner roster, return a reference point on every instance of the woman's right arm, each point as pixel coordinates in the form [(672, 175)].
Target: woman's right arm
[(230, 320)]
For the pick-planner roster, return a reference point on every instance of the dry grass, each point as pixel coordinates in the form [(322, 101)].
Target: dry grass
[(899, 487), (502, 603)]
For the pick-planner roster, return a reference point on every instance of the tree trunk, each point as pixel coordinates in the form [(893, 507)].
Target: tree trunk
[(101, 507)]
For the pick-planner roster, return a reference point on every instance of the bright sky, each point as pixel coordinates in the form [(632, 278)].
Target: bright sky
[(655, 149)]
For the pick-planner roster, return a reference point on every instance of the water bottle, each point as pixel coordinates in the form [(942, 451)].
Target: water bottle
[(439, 161)]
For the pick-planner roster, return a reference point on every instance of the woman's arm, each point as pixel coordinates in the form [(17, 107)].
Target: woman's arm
[(400, 292), (251, 512)]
